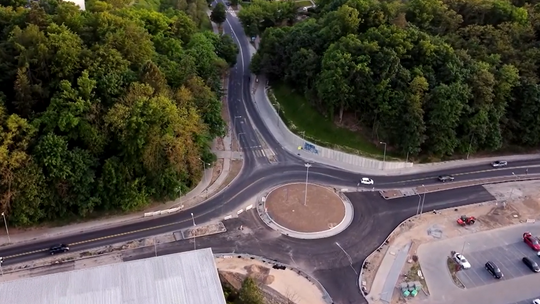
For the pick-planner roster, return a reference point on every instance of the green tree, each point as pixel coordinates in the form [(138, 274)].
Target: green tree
[(250, 293), (219, 14)]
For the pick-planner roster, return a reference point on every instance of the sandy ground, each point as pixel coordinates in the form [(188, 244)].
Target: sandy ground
[(324, 209), (287, 282), (522, 204)]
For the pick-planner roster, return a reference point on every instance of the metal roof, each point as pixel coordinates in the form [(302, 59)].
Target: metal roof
[(183, 278)]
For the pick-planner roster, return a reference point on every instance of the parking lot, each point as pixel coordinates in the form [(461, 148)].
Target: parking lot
[(503, 246), (528, 301), (507, 258)]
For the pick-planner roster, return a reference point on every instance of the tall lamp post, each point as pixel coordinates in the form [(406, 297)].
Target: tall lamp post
[(423, 201), (7, 230), (194, 235), (308, 165), (384, 154)]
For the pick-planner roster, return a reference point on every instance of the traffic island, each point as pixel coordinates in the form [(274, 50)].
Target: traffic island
[(318, 213)]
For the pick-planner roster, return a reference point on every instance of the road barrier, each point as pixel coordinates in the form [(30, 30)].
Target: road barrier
[(228, 217), (249, 207), (163, 212), (240, 211)]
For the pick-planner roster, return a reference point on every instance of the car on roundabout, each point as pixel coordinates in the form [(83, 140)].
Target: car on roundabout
[(461, 260), (366, 181)]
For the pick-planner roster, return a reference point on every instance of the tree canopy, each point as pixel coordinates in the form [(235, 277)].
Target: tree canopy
[(434, 77), (219, 13), (105, 109)]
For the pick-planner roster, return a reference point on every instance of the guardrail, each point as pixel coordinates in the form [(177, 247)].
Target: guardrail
[(163, 212)]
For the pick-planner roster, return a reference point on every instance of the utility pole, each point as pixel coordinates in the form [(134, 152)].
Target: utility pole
[(308, 165), (7, 230), (194, 234)]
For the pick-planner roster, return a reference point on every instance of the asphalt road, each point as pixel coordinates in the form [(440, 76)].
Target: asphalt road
[(374, 217)]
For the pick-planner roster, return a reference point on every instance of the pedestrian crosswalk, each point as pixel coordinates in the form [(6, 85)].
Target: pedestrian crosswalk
[(261, 152)]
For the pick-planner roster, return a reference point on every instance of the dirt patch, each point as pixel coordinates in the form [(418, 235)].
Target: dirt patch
[(323, 209), (218, 167), (234, 170), (203, 230), (500, 216), (389, 194)]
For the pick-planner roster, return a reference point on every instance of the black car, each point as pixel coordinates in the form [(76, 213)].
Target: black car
[(60, 248), (531, 264), (494, 270), (446, 178)]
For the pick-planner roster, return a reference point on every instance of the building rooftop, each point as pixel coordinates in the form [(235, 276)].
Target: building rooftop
[(183, 278)]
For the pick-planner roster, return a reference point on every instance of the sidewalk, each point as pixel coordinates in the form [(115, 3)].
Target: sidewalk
[(207, 187)]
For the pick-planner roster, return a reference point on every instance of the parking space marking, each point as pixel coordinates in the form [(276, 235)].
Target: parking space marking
[(506, 257)]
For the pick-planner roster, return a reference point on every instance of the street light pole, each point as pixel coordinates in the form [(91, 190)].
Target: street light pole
[(423, 201), (384, 154), (419, 203), (7, 230), (308, 165), (463, 248), (194, 235), (1, 262)]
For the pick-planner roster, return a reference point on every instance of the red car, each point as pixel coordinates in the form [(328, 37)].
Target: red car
[(532, 241)]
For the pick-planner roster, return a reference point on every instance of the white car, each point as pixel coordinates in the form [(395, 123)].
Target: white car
[(366, 181), (462, 261), (536, 301)]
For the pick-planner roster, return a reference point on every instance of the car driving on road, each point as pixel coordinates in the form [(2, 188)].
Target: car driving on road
[(366, 181), (499, 164), (59, 248), (531, 264), (445, 178), (536, 301), (531, 241), (461, 260)]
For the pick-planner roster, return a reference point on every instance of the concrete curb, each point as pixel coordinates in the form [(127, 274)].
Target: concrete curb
[(326, 296), (342, 226)]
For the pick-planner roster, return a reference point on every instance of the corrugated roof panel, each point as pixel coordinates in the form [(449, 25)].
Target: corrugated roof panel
[(182, 278)]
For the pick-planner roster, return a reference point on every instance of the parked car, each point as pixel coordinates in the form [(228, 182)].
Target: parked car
[(461, 260), (366, 181), (446, 178), (531, 241), (59, 248), (499, 164), (494, 270), (536, 301), (531, 264)]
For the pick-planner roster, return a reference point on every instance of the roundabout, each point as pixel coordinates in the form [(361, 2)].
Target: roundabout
[(306, 211)]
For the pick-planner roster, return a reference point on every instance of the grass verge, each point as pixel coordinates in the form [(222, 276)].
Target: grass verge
[(453, 269), (303, 120)]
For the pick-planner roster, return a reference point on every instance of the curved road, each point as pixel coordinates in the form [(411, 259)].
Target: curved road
[(374, 217)]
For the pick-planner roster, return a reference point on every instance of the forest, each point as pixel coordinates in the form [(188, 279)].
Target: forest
[(106, 109), (430, 77)]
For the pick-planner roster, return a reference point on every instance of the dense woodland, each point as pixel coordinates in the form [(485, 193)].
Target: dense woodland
[(106, 109), (427, 76)]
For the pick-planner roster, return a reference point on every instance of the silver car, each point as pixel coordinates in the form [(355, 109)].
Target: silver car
[(499, 163)]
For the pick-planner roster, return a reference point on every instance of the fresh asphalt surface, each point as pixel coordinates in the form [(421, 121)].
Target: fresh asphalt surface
[(374, 217)]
